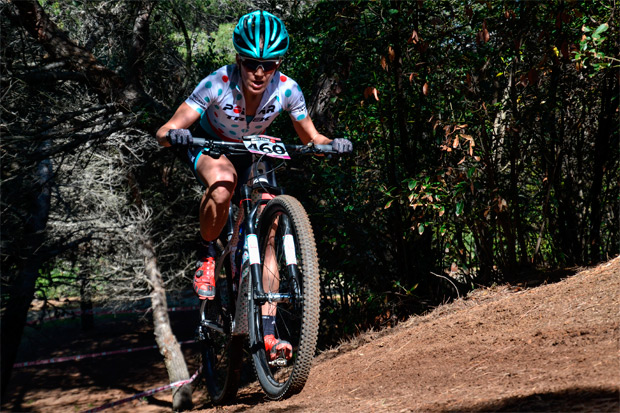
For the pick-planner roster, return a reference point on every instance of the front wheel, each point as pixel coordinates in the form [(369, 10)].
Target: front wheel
[(291, 273)]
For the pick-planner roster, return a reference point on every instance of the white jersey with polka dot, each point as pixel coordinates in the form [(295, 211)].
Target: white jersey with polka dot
[(219, 100)]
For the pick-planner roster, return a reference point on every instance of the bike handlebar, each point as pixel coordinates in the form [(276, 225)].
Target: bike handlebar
[(226, 147)]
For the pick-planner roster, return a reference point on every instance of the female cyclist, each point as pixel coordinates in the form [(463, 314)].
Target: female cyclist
[(234, 101)]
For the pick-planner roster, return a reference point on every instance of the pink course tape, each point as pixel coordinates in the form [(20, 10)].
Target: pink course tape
[(146, 393), (113, 352)]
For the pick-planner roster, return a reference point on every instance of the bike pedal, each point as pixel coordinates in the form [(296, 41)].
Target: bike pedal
[(199, 334), (279, 362)]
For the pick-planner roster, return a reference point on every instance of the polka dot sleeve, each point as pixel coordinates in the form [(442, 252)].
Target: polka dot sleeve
[(293, 99), (208, 91)]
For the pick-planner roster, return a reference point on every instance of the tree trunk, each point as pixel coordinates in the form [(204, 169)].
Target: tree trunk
[(86, 303), (166, 341), (168, 345), (602, 152), (483, 241), (507, 156), (21, 293), (408, 147)]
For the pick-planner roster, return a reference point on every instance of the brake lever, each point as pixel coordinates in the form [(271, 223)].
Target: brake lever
[(214, 153), (310, 148)]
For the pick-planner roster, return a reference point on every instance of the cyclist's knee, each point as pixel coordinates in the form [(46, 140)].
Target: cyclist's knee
[(221, 192), (215, 171)]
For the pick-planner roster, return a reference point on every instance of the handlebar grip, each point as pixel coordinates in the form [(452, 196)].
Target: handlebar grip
[(324, 148), (199, 141)]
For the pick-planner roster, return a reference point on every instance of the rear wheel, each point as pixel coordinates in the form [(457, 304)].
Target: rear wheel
[(290, 269), (221, 352)]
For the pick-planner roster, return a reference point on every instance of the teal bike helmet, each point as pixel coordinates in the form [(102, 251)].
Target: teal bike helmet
[(260, 35)]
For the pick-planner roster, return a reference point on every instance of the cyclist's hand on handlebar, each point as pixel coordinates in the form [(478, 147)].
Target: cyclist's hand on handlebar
[(342, 145), (179, 137)]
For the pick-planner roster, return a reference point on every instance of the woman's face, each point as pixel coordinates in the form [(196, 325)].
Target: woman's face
[(255, 81)]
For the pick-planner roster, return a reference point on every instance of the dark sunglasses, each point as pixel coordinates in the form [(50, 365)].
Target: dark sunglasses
[(252, 64)]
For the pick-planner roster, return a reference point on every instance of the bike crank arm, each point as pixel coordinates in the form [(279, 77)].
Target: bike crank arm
[(212, 326), (205, 322)]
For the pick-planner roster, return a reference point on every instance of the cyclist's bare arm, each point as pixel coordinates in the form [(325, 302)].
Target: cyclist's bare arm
[(307, 132), (183, 118)]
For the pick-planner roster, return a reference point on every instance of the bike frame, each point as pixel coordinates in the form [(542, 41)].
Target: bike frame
[(248, 219)]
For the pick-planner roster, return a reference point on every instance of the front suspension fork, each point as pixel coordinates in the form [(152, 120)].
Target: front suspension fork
[(259, 294)]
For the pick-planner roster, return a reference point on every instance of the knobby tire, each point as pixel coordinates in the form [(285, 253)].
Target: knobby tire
[(297, 320)]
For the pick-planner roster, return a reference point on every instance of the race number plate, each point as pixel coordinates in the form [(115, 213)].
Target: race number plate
[(266, 145)]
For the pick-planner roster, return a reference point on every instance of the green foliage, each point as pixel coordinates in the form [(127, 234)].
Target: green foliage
[(485, 138), (222, 42), (468, 121), (590, 47), (59, 283)]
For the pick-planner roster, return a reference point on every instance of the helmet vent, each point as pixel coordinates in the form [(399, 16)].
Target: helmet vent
[(260, 35)]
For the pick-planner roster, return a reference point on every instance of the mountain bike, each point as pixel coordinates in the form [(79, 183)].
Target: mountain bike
[(267, 264)]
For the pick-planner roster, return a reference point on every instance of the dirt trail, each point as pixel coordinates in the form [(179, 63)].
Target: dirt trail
[(550, 348)]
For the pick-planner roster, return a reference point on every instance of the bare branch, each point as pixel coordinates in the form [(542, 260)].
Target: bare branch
[(139, 42), (36, 22), (107, 84), (188, 45), (51, 77)]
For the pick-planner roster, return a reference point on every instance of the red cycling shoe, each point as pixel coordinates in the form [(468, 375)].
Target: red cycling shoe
[(275, 347), (204, 279)]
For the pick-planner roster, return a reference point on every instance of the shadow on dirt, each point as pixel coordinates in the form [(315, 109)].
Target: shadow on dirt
[(569, 400), (241, 403)]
